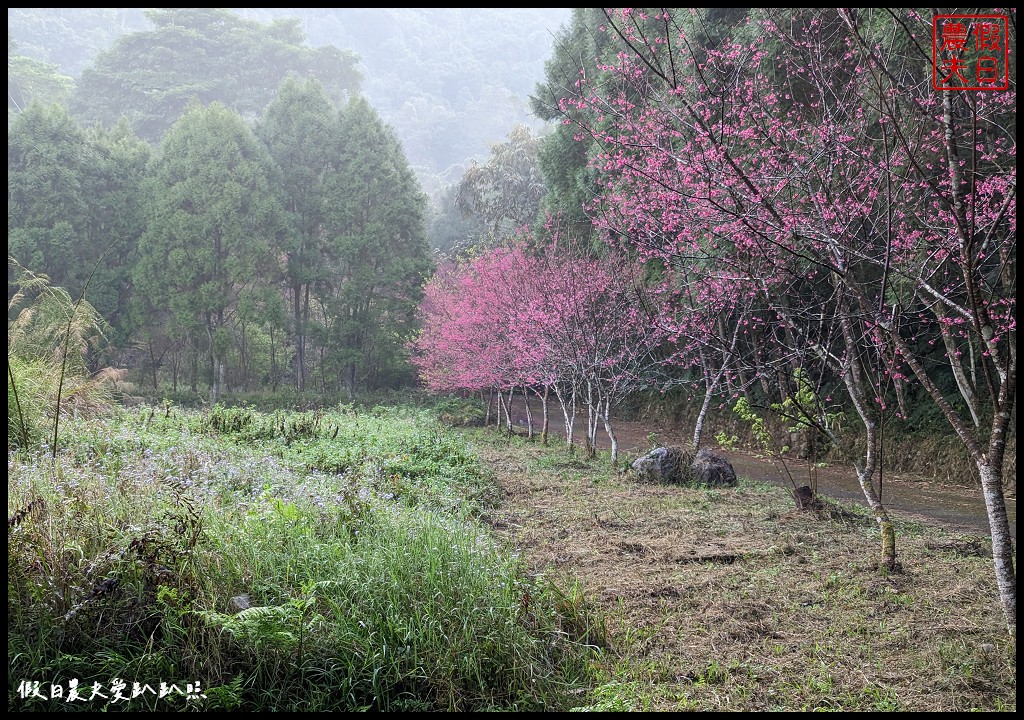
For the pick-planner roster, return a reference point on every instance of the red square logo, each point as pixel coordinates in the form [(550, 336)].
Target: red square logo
[(970, 52)]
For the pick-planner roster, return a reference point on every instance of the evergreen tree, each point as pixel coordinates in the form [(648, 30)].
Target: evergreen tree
[(378, 256), (212, 219), (115, 223), (300, 130), (47, 197), (563, 157), (73, 205)]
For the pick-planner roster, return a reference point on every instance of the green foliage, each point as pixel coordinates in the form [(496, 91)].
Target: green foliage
[(116, 221), (378, 257), (505, 192), (29, 80), (450, 227), (209, 220), (48, 196), (460, 412), (75, 206), (152, 76), (726, 441), (415, 460), (49, 338), (208, 547), (758, 426), (803, 409), (29, 386), (565, 160), (296, 128)]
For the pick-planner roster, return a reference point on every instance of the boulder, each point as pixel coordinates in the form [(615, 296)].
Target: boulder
[(678, 464), (666, 464), (710, 468)]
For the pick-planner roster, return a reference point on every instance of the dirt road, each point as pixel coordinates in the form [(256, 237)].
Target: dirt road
[(905, 497)]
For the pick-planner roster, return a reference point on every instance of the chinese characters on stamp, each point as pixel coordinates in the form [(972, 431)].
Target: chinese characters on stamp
[(970, 52)]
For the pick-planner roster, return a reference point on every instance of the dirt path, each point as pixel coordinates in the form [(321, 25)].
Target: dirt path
[(905, 496)]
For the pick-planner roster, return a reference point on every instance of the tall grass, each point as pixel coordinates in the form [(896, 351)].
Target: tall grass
[(303, 562), (49, 337)]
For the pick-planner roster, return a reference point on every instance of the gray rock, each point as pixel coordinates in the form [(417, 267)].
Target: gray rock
[(710, 468), (678, 464), (666, 464)]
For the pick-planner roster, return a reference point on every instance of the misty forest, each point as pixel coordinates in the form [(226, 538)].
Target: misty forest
[(334, 336)]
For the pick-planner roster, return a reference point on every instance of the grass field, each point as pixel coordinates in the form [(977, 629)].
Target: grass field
[(378, 559)]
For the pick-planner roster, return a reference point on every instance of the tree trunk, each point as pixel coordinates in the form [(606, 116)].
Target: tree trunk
[(592, 416), (152, 360), (1002, 543), (544, 410), (273, 362), (611, 434), (501, 408), (529, 413), (570, 417), (854, 382), (243, 354), (711, 383), (508, 412), (350, 380), (300, 340), (214, 377), (698, 428)]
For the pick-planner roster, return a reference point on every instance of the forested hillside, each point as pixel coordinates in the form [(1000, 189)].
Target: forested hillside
[(451, 81), (123, 81)]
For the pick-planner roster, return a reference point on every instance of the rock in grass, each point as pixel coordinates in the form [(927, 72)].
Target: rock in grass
[(678, 464), (710, 468), (666, 464)]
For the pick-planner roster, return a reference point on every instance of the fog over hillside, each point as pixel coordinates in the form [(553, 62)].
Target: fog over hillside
[(451, 81)]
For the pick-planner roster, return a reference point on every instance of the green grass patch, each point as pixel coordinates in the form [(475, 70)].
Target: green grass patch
[(315, 561)]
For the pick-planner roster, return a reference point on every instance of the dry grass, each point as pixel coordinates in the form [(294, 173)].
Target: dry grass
[(730, 599)]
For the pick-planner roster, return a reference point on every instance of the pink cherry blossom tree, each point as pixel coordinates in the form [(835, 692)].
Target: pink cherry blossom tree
[(873, 214), (550, 319), (611, 338)]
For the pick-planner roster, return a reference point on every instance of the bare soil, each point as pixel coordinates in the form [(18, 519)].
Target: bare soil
[(731, 599)]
